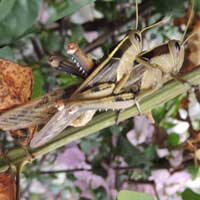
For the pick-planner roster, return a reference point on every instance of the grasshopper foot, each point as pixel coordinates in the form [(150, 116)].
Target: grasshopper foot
[(117, 116), (138, 106)]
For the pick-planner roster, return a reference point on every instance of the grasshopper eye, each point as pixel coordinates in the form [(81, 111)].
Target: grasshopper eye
[(177, 46), (137, 37)]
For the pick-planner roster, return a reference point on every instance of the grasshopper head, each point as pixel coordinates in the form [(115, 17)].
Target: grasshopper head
[(135, 38), (177, 53)]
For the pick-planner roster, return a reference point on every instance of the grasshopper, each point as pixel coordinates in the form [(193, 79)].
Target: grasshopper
[(165, 61), (58, 63), (85, 101), (103, 100)]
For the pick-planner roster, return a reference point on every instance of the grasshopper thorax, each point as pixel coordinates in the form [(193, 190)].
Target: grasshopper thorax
[(135, 38)]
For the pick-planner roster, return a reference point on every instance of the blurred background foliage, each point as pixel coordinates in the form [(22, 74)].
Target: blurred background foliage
[(100, 165)]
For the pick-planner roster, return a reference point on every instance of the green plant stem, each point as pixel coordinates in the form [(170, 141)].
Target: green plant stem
[(103, 120)]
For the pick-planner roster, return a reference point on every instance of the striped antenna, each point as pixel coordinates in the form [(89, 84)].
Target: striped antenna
[(188, 23), (136, 14), (159, 23)]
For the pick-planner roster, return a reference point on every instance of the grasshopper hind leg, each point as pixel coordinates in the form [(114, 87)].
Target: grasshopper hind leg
[(117, 114), (137, 104), (117, 117)]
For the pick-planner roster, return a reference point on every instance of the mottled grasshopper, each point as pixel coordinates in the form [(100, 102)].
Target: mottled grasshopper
[(103, 96), (84, 102)]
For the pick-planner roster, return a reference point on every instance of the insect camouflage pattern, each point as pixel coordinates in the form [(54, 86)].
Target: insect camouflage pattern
[(113, 84)]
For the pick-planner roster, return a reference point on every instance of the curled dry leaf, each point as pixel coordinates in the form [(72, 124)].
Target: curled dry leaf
[(194, 45), (16, 83), (7, 186)]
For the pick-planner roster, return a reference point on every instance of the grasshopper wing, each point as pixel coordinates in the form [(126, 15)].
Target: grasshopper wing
[(106, 75), (55, 126), (34, 112)]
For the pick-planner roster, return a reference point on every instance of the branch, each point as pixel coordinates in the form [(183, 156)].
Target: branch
[(103, 120)]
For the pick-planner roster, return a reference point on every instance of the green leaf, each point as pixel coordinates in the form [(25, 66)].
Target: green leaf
[(66, 8), (172, 7), (159, 113), (7, 53), (5, 8), (150, 152), (21, 17), (194, 171), (66, 80), (167, 125), (38, 84), (189, 194), (173, 139), (51, 41), (131, 155), (130, 195), (197, 5)]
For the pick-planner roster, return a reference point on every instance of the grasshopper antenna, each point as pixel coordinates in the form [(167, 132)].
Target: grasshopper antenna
[(136, 14), (159, 23), (191, 35), (188, 24)]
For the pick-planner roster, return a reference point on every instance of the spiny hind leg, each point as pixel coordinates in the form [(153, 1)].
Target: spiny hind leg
[(142, 94), (111, 102), (118, 112), (83, 62)]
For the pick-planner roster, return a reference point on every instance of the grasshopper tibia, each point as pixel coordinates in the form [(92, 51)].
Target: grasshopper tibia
[(83, 62), (137, 106), (60, 64)]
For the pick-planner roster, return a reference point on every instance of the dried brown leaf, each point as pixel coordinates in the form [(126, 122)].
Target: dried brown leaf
[(16, 84), (7, 186)]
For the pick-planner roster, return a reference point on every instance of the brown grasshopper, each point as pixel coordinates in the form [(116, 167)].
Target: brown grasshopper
[(135, 38), (83, 103), (80, 104), (164, 61)]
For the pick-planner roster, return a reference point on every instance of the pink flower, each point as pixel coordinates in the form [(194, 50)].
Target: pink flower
[(142, 132), (168, 185), (73, 158), (147, 188), (86, 181), (162, 152), (175, 157), (139, 187), (90, 36)]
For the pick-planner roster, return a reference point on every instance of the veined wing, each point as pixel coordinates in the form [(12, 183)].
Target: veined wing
[(37, 111), (55, 125), (108, 75)]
